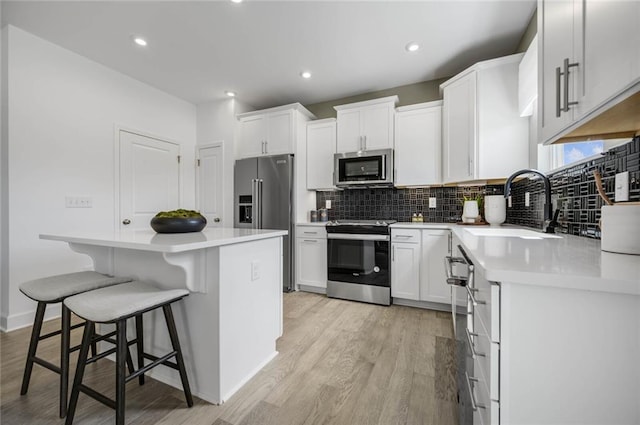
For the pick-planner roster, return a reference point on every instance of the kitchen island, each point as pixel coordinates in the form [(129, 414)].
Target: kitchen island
[(230, 322)]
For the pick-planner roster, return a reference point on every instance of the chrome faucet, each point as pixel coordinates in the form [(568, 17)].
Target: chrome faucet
[(550, 220)]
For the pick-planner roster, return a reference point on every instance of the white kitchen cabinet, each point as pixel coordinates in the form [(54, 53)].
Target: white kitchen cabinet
[(433, 280), (405, 270), (311, 258), (321, 146), (484, 137), (271, 131), (366, 125), (418, 140), (578, 36)]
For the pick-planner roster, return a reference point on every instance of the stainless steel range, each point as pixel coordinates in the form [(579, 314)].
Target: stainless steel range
[(358, 260)]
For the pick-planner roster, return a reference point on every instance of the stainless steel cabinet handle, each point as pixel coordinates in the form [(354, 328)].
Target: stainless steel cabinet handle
[(474, 404), (470, 292), (393, 254), (474, 353), (364, 143), (126, 221), (266, 146), (567, 65), (403, 236), (470, 167), (558, 80), (310, 233), (311, 240)]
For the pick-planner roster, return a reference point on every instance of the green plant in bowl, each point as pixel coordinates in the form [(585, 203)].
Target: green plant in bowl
[(178, 221)]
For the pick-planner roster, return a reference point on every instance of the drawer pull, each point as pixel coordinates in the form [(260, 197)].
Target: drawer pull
[(402, 236), (311, 240), (310, 233), (474, 353), (474, 404)]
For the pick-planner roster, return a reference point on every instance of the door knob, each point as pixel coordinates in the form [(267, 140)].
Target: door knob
[(126, 221), (216, 220)]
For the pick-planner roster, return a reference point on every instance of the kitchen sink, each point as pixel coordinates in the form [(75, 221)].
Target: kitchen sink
[(513, 233)]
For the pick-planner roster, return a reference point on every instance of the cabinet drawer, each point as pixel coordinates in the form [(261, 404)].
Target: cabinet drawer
[(487, 360), (405, 235), (311, 232), (487, 296)]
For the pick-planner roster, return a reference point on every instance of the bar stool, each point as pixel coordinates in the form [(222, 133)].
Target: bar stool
[(116, 304), (51, 290)]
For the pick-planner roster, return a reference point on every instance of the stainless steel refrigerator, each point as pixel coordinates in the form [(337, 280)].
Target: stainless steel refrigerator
[(263, 199)]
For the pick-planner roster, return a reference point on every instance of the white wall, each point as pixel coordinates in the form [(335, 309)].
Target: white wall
[(216, 122), (4, 243), (63, 109)]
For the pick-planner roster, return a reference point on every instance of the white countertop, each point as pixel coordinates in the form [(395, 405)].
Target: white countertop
[(149, 240), (567, 262)]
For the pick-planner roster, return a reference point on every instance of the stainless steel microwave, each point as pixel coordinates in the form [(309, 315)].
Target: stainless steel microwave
[(364, 169)]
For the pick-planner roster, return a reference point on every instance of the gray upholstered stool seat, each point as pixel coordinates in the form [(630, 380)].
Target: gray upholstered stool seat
[(115, 304), (56, 288), (120, 301), (50, 290)]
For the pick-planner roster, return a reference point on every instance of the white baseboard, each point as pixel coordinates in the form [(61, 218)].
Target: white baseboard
[(314, 289), (22, 320), (422, 304)]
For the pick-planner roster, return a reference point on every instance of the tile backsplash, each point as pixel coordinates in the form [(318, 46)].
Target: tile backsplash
[(574, 192)]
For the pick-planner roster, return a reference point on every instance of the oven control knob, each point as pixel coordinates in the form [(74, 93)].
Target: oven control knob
[(376, 269)]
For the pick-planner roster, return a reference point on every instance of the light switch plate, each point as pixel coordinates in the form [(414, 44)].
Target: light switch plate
[(527, 199), (622, 187), (78, 202), (327, 204), (432, 203)]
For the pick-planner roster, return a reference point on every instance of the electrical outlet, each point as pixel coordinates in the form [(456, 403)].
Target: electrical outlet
[(509, 201), (527, 199), (432, 203), (327, 204), (622, 187), (255, 270), (78, 202)]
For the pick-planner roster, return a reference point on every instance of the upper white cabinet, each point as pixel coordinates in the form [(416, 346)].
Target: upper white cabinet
[(418, 139), (589, 55), (484, 136), (321, 146), (271, 131), (366, 125)]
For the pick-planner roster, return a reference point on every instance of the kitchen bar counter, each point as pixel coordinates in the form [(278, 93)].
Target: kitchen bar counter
[(229, 323)]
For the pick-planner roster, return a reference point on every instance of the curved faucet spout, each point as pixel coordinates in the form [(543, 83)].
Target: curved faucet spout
[(550, 220)]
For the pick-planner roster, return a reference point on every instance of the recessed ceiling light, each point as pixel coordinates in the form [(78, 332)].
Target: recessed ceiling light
[(412, 47), (230, 93), (305, 74), (140, 41), (236, 1)]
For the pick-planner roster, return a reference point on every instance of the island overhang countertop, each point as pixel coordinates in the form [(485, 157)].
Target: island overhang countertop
[(149, 240)]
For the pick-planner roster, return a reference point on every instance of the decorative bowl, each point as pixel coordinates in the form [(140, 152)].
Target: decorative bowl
[(178, 224)]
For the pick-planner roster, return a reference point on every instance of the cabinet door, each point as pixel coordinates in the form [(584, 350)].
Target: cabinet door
[(321, 146), (252, 136), (611, 50), (433, 279), (349, 135), (418, 138), (279, 133), (555, 44), (405, 271), (377, 127), (459, 129), (311, 262)]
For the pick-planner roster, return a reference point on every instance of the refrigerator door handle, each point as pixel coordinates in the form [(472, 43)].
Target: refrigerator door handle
[(257, 203), (254, 203)]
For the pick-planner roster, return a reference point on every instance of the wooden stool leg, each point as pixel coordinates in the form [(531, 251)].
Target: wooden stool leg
[(33, 346), (173, 334), (140, 346), (77, 381), (122, 350), (65, 342)]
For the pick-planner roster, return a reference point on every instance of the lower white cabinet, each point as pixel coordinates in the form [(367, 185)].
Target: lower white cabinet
[(311, 258), (417, 271)]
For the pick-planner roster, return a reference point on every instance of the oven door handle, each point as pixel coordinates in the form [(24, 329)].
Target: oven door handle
[(348, 236)]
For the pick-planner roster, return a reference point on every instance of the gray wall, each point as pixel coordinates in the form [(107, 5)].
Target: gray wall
[(529, 33)]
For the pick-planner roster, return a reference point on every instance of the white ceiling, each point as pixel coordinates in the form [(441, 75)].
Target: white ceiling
[(199, 49)]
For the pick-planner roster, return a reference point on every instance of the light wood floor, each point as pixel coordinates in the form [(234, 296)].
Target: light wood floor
[(340, 362)]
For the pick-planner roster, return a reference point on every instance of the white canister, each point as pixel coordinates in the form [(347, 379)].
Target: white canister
[(495, 209), (470, 211), (620, 229)]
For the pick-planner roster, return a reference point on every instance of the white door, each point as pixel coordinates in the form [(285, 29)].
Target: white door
[(149, 179), (405, 271), (210, 184), (377, 127), (433, 279), (459, 130), (279, 133)]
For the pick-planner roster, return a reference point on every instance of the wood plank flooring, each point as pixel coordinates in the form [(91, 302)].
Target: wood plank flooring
[(340, 362)]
